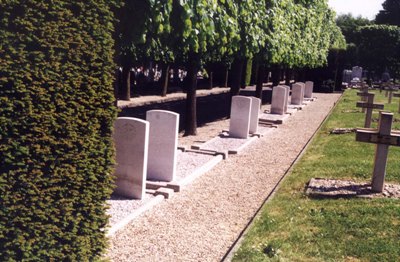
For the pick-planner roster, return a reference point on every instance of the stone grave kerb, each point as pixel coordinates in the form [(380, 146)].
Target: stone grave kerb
[(131, 139), (383, 138), (163, 143), (239, 124), (369, 106)]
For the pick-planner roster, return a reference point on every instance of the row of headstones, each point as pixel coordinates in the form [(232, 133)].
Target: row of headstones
[(280, 96), (355, 73), (147, 149)]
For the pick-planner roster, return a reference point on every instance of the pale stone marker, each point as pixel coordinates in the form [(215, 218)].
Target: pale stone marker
[(369, 105), (254, 114), (297, 94), (304, 88), (357, 72), (131, 137), (239, 125), (347, 76), (287, 97), (384, 138), (163, 143), (279, 99), (309, 88)]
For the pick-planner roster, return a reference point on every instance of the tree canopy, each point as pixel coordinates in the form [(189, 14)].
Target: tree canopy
[(390, 14), (380, 48), (293, 33)]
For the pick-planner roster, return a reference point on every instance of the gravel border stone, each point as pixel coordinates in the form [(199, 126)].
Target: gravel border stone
[(334, 188), (203, 222)]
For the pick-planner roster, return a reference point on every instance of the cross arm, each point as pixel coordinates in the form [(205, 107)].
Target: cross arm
[(369, 135), (367, 105), (362, 94)]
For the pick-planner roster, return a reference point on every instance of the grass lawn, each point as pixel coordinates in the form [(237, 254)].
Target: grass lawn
[(294, 227)]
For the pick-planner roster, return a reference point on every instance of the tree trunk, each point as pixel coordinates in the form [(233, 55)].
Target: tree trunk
[(226, 77), (254, 75), (211, 80), (237, 71), (288, 76), (260, 81), (191, 86), (165, 81), (276, 75), (126, 83)]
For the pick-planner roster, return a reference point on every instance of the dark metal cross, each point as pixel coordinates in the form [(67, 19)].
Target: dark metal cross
[(383, 137), (369, 105)]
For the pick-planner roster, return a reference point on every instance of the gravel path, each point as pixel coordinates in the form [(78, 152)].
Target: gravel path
[(202, 222)]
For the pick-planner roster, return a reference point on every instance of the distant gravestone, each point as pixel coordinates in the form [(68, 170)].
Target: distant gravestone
[(347, 76), (297, 94), (163, 143), (131, 137), (239, 125), (279, 99), (309, 88), (254, 114), (287, 97), (385, 77), (383, 138), (356, 72), (303, 89)]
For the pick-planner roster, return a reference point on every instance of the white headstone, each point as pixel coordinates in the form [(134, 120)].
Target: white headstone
[(163, 143), (347, 76), (308, 92), (357, 72), (131, 137), (279, 98), (297, 94), (303, 89), (287, 97), (254, 114), (239, 125)]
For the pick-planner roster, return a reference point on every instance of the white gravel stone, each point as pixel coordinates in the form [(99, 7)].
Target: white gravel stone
[(120, 207)]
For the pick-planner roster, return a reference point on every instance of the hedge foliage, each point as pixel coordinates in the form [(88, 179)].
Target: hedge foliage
[(56, 115)]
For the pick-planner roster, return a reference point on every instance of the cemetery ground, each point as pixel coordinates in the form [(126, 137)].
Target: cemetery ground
[(202, 222), (295, 227)]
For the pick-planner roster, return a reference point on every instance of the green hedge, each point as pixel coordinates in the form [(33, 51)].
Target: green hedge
[(56, 115)]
